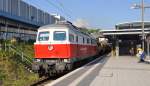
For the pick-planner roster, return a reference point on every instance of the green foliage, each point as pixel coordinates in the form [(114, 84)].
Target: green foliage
[(12, 72), (27, 49), (2, 74), (89, 30), (93, 30)]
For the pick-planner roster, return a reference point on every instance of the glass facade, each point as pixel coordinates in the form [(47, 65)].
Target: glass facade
[(18, 9), (21, 20), (11, 29)]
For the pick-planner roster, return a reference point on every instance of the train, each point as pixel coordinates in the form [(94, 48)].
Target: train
[(59, 46)]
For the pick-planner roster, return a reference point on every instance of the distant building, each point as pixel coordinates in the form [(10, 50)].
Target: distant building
[(132, 25), (126, 36), (19, 19)]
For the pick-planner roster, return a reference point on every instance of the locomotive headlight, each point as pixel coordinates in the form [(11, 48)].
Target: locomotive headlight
[(37, 60), (50, 47)]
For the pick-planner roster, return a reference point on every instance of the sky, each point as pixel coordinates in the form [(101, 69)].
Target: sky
[(103, 14)]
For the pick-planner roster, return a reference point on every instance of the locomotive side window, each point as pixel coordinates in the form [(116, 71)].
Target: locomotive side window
[(88, 41), (76, 38), (83, 39), (59, 35), (43, 36), (91, 41), (71, 37)]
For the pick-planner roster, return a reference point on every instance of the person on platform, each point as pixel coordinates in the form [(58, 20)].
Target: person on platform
[(132, 51), (141, 55)]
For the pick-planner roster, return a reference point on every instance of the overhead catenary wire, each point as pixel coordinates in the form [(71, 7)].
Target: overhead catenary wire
[(39, 7), (68, 11), (59, 8)]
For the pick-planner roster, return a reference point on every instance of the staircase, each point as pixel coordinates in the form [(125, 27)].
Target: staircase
[(21, 57)]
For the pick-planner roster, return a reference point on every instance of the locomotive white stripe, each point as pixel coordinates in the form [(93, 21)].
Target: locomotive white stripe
[(62, 43), (69, 29)]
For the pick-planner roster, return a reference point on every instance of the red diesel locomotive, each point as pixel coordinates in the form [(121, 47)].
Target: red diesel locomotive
[(60, 45)]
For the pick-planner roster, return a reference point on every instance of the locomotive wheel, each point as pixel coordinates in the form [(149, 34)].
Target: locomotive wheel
[(69, 66), (40, 73)]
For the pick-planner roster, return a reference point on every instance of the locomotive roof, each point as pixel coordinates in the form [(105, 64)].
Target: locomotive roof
[(54, 25), (67, 25)]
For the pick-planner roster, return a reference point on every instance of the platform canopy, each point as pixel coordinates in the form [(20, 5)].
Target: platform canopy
[(132, 25)]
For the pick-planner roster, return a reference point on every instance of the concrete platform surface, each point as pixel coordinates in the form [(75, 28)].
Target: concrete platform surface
[(123, 71), (120, 71)]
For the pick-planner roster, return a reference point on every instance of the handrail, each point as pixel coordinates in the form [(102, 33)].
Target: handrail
[(24, 58), (21, 55), (19, 51)]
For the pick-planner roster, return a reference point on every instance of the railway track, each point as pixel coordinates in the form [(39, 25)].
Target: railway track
[(40, 81), (44, 80)]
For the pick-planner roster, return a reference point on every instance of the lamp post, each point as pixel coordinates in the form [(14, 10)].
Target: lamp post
[(142, 17), (142, 7)]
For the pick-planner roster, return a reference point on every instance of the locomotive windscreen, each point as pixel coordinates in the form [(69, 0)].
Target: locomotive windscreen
[(43, 36), (59, 35)]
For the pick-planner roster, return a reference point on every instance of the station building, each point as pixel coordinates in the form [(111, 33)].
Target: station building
[(21, 20), (126, 36)]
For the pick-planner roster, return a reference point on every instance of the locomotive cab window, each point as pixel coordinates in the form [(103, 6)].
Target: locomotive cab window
[(43, 36), (59, 35)]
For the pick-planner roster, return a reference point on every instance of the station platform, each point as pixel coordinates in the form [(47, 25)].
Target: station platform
[(110, 71)]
